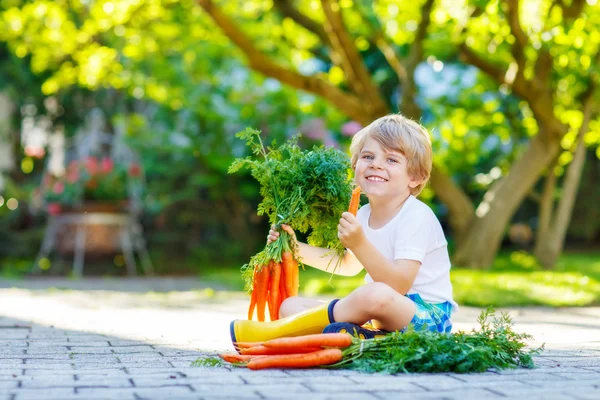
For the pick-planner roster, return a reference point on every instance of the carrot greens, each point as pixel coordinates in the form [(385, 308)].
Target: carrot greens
[(494, 345)]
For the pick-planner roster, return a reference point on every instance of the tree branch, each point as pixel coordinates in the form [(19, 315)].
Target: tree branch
[(258, 61), (415, 56), (288, 10), (573, 10), (352, 63), (518, 47), (382, 43)]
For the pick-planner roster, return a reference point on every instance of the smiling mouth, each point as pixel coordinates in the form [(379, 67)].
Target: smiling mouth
[(376, 179)]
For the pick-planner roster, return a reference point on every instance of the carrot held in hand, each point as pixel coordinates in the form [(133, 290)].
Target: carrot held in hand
[(316, 340), (321, 357), (274, 291), (354, 201), (290, 272), (252, 297), (262, 288), (282, 292)]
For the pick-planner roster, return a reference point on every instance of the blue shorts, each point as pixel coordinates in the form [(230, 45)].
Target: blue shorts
[(433, 317)]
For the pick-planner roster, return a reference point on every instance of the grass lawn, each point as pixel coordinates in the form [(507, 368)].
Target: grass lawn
[(514, 280)]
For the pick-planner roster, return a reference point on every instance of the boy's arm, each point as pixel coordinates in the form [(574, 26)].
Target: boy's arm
[(318, 257), (399, 274)]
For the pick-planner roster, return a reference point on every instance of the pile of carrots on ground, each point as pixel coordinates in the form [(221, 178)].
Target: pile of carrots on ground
[(272, 284), (291, 352)]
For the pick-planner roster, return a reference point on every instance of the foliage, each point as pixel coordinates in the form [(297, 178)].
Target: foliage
[(91, 180), (306, 189), (209, 361), (494, 345)]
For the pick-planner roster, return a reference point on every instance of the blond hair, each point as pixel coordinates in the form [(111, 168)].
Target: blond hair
[(397, 133)]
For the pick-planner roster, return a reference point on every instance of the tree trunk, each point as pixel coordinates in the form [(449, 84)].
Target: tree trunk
[(551, 244), (546, 208), (461, 209), (481, 242), (6, 143)]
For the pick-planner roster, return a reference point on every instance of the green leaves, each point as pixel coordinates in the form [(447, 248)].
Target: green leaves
[(306, 189), (494, 345)]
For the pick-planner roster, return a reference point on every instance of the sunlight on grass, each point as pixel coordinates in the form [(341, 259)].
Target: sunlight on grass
[(516, 279)]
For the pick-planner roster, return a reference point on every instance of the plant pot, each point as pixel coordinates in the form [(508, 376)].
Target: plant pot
[(100, 239)]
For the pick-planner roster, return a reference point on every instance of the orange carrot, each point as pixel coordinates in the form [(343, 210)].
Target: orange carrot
[(237, 358), (264, 350), (290, 270), (262, 287), (354, 201), (282, 292), (274, 290), (252, 297), (315, 340), (320, 357), (246, 345)]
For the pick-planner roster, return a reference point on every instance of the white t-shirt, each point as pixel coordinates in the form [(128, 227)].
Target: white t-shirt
[(415, 234)]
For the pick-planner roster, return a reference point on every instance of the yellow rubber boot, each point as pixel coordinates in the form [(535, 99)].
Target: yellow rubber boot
[(307, 322)]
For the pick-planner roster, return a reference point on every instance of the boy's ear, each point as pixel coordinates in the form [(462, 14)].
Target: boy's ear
[(414, 182)]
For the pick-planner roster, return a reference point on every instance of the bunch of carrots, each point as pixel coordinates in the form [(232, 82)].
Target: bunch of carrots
[(272, 284), (291, 352), (277, 280)]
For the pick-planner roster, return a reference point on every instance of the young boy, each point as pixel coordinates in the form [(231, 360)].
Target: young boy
[(395, 237)]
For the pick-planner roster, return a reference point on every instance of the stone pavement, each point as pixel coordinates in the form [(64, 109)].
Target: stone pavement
[(136, 339)]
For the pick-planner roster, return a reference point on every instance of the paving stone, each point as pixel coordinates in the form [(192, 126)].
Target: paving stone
[(179, 380), (169, 392), (132, 349), (392, 386), (330, 396), (264, 391), (12, 384), (42, 393), (33, 351), (462, 394)]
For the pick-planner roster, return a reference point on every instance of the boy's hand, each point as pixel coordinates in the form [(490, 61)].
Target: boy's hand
[(350, 231), (274, 233)]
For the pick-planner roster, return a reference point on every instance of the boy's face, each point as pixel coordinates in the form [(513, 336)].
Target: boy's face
[(381, 172)]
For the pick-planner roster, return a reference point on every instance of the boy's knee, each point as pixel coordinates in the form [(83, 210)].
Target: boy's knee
[(382, 296), (288, 307)]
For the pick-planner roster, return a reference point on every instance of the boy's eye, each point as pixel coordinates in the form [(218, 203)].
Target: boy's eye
[(392, 160), (368, 157)]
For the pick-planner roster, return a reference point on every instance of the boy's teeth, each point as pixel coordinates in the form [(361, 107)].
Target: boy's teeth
[(375, 178)]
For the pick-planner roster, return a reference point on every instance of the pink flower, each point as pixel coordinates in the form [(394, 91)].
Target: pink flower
[(73, 165), (59, 187), (34, 151), (314, 129), (331, 142), (91, 164), (72, 176), (135, 170), (107, 165), (47, 180), (350, 128), (54, 208)]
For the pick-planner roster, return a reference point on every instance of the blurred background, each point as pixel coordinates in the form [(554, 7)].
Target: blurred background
[(117, 124)]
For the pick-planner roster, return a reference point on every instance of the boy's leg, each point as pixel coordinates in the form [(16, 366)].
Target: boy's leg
[(388, 309), (296, 304)]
